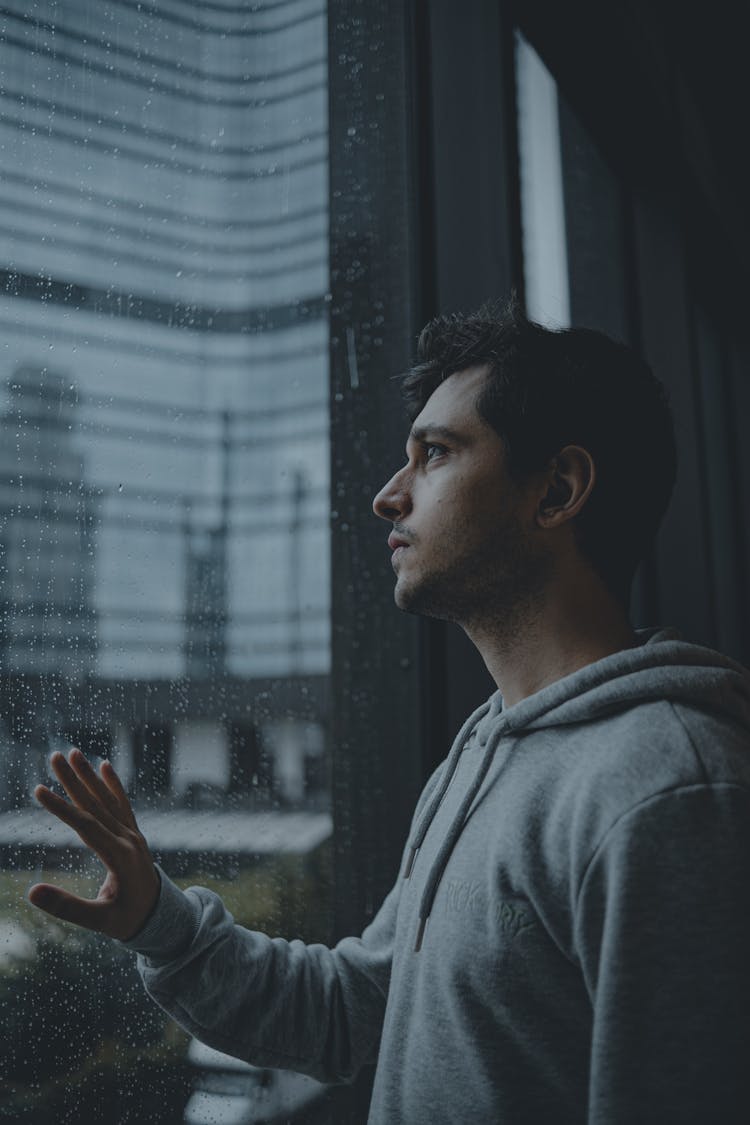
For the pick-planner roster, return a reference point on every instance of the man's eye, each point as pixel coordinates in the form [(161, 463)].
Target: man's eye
[(432, 451)]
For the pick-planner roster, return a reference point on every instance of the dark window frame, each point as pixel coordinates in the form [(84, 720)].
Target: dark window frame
[(401, 686)]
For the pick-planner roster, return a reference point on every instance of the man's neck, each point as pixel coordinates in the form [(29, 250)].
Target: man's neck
[(564, 632)]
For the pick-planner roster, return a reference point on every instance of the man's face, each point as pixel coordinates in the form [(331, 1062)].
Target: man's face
[(463, 540)]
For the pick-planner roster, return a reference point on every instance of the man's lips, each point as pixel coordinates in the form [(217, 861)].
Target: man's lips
[(395, 541)]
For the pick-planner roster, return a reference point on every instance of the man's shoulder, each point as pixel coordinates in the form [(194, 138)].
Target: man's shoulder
[(656, 747), (660, 743)]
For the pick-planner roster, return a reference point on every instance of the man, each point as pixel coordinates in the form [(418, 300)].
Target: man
[(569, 937)]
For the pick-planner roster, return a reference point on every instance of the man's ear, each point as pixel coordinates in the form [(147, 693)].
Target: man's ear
[(569, 481)]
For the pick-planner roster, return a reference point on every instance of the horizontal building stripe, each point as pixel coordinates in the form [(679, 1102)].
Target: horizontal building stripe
[(114, 347), (169, 63), (229, 9), (147, 435), (96, 495), (165, 526), (159, 161), (154, 85), (124, 403), (113, 253), (178, 315), (231, 27), (144, 234), (157, 615), (59, 30), (110, 202), (149, 81), (123, 127)]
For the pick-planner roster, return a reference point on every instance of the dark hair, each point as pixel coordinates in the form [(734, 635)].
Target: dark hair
[(551, 388)]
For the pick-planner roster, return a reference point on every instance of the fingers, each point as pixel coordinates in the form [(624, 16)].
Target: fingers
[(93, 833), (61, 904), (116, 789), (107, 789), (88, 776), (83, 787)]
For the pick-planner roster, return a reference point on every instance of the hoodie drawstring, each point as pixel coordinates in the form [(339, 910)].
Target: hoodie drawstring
[(455, 830), (451, 765)]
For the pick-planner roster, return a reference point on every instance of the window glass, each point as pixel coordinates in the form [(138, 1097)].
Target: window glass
[(545, 259), (573, 208), (164, 559), (596, 231)]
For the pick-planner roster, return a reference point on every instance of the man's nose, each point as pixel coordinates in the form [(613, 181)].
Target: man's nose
[(392, 502)]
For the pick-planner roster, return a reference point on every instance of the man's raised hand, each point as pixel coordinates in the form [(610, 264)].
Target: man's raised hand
[(100, 812)]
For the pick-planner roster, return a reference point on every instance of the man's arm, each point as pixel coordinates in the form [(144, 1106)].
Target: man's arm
[(663, 933), (269, 1001), (273, 1002)]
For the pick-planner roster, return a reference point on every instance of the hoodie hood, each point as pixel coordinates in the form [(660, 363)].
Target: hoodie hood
[(660, 666)]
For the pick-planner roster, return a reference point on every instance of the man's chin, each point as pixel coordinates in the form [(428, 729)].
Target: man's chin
[(405, 598), (417, 600)]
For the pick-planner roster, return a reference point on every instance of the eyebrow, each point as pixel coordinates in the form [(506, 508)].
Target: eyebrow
[(421, 433)]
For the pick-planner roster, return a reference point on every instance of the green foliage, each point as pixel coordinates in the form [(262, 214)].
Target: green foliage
[(60, 1006), (287, 896), (82, 1042)]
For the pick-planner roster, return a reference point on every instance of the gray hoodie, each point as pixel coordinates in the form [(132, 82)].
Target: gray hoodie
[(569, 937)]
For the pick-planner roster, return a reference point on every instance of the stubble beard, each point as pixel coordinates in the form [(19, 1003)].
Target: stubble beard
[(500, 582)]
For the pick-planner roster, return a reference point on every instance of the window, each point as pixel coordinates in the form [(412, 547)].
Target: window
[(542, 204), (574, 211), (164, 557)]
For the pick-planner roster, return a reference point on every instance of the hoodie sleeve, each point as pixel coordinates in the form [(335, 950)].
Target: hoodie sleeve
[(269, 1001), (663, 935)]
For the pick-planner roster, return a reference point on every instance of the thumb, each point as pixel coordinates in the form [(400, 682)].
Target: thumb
[(90, 913)]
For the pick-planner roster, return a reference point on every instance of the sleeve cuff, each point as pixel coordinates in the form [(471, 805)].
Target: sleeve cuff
[(171, 925)]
